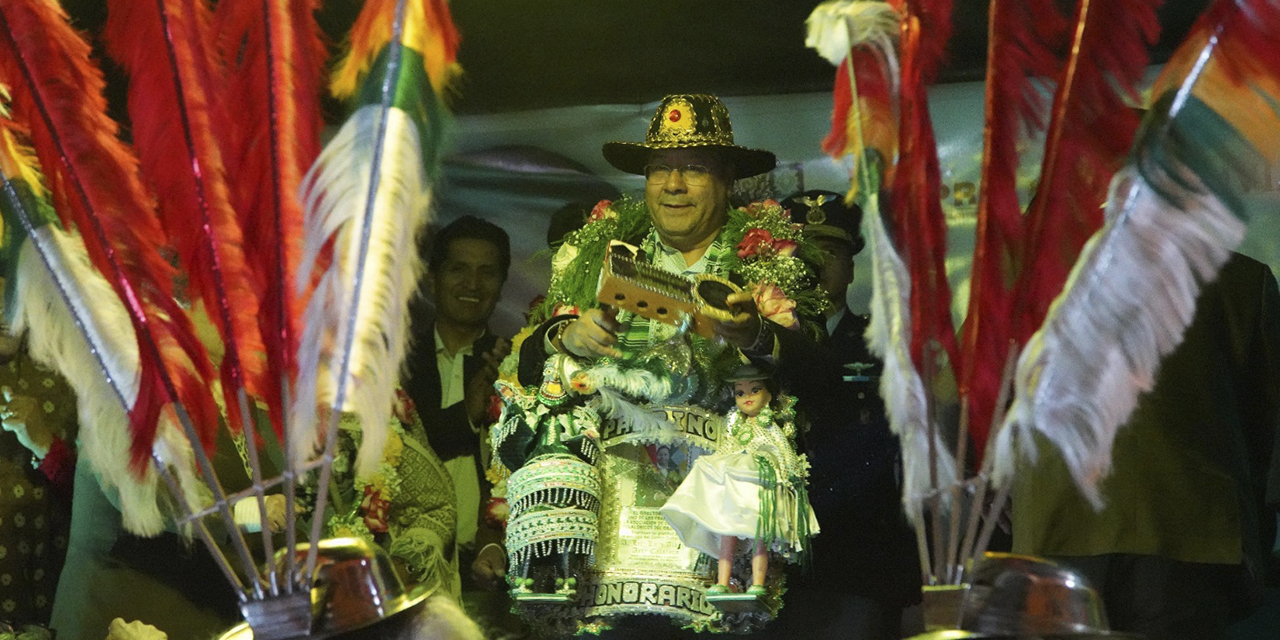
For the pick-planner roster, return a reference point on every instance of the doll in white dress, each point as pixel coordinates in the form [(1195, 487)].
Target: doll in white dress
[(752, 487)]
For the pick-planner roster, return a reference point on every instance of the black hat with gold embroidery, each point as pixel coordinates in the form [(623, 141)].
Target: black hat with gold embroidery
[(824, 214), (690, 121)]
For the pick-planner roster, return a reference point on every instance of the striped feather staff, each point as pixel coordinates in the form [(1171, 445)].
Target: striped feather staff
[(276, 60), (871, 29), (1090, 133), (1022, 55), (74, 323), (83, 330), (916, 227), (367, 197), (94, 185), (1173, 215)]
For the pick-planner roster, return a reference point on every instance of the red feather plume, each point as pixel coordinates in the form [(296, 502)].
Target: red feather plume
[(1021, 53), (94, 180), (934, 18), (917, 218), (165, 48), (279, 78), (875, 109), (1089, 136)]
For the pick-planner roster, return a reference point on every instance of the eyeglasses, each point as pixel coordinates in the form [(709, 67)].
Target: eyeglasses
[(693, 174)]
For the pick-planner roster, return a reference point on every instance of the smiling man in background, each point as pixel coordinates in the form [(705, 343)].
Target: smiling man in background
[(454, 362)]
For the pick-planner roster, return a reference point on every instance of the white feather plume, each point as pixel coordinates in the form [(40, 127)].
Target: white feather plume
[(888, 336), (835, 27), (1127, 303), (641, 419), (637, 383), (56, 341), (334, 194)]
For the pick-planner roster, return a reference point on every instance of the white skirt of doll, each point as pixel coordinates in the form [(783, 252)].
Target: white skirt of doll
[(721, 497)]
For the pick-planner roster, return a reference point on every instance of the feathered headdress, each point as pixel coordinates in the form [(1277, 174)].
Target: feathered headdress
[(367, 198)]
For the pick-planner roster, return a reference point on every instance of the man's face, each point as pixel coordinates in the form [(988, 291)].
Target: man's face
[(468, 282), (836, 272), (664, 457), (687, 207)]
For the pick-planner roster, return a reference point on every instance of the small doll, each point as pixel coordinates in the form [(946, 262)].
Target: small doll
[(752, 487), (550, 438)]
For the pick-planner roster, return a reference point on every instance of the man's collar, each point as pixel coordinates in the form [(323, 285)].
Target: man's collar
[(676, 257), (466, 350), (834, 319)]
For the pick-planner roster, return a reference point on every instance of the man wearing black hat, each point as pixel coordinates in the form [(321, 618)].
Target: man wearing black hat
[(865, 568), (684, 226), (689, 161)]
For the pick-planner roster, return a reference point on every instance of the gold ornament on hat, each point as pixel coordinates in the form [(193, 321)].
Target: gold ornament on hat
[(678, 120), (815, 215)]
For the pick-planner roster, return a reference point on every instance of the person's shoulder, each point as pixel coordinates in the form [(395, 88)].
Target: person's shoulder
[(1242, 275), (854, 323), (1241, 265)]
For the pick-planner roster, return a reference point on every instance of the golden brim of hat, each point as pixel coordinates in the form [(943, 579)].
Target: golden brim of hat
[(632, 157)]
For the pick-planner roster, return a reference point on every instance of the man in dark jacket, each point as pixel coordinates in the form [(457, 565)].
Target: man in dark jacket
[(865, 569), (1181, 545), (454, 362)]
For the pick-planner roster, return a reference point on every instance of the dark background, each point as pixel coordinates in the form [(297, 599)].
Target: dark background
[(520, 55)]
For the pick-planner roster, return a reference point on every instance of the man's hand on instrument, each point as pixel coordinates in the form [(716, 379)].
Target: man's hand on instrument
[(592, 335), (746, 329)]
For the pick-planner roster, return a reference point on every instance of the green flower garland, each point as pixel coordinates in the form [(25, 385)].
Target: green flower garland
[(628, 220)]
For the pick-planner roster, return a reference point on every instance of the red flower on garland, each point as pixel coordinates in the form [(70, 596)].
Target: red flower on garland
[(495, 408), (376, 510), (602, 211), (403, 407), (496, 512), (761, 244)]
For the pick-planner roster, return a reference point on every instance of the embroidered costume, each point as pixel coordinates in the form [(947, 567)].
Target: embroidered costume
[(406, 505)]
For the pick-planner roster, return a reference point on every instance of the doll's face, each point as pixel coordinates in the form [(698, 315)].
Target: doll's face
[(751, 396)]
